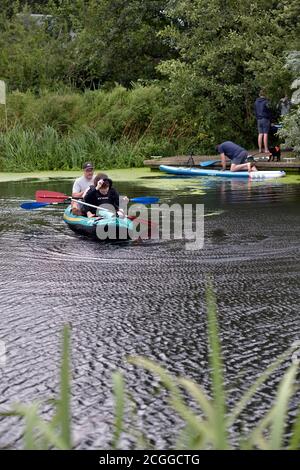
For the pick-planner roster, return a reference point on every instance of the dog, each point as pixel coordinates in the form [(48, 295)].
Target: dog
[(275, 152)]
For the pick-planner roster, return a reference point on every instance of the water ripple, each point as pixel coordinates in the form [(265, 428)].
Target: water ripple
[(146, 299)]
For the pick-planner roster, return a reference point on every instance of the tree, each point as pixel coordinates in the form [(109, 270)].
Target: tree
[(291, 123), (117, 41), (85, 43), (33, 51), (227, 51)]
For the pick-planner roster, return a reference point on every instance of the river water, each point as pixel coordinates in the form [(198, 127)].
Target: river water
[(146, 299)]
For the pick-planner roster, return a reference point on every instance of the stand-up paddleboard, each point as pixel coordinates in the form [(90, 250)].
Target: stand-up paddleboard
[(257, 175)]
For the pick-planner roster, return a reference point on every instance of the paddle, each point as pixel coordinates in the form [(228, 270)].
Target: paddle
[(35, 205), (145, 199), (52, 196), (62, 198), (209, 162)]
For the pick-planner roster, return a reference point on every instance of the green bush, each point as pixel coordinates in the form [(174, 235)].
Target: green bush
[(291, 122), (290, 132)]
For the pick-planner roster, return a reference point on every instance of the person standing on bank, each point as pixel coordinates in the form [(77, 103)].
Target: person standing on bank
[(237, 155), (263, 117), (284, 106)]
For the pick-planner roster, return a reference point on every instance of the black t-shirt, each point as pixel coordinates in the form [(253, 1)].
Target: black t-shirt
[(95, 198)]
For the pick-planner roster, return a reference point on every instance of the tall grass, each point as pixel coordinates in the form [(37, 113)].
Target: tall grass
[(207, 421), (25, 150), (117, 128), (113, 114)]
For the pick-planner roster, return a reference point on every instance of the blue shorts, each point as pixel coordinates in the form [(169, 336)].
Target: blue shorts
[(263, 125), (241, 158)]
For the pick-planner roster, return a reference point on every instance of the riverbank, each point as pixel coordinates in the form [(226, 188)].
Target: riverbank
[(124, 174)]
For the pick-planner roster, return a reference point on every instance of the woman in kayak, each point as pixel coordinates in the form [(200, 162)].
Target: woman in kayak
[(99, 194), (237, 155)]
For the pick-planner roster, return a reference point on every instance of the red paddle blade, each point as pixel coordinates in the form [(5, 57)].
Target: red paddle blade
[(50, 196), (142, 221)]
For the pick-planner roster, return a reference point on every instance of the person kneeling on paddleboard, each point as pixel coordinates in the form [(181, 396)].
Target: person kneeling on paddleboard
[(238, 156)]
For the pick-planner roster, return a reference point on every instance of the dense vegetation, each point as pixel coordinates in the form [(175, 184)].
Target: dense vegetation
[(117, 81)]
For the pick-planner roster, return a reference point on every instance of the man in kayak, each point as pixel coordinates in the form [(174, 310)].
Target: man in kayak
[(237, 155), (84, 182)]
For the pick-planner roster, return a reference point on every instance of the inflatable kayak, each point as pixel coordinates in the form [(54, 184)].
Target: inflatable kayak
[(104, 227), (257, 175)]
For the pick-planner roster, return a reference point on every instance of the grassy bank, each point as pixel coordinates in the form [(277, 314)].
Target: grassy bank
[(119, 128)]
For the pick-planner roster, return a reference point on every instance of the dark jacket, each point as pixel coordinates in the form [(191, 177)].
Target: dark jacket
[(230, 149), (261, 108), (95, 198)]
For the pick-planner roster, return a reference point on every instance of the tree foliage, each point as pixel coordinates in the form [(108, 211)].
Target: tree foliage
[(291, 123), (117, 42), (86, 43), (227, 51), (209, 58)]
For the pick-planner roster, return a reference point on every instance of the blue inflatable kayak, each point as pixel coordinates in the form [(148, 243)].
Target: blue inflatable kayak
[(105, 227), (255, 175)]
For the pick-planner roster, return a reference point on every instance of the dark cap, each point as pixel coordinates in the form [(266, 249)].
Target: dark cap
[(88, 166)]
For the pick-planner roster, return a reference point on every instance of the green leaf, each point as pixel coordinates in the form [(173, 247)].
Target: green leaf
[(280, 408), (216, 365), (294, 443), (63, 406), (119, 395)]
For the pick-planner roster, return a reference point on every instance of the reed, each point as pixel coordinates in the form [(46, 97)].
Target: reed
[(55, 130)]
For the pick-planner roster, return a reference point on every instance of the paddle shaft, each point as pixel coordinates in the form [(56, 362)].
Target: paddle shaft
[(51, 196), (130, 217), (89, 205)]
